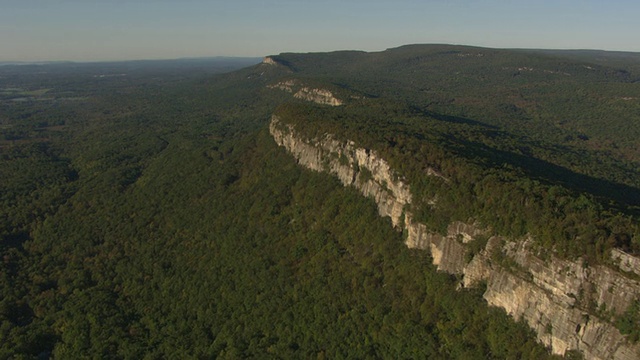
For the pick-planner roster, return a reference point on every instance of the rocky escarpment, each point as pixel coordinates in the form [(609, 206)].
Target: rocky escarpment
[(307, 93), (568, 303), (319, 96), (268, 60)]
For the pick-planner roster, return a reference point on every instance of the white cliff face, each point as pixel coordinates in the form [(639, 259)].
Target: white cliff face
[(625, 261), (318, 96), (269, 61), (567, 303), (347, 163)]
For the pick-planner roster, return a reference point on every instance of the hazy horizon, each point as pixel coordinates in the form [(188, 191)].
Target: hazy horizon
[(90, 31), (186, 58), (212, 57)]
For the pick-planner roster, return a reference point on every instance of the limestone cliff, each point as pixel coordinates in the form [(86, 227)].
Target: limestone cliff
[(307, 93), (568, 303), (319, 96), (268, 60)]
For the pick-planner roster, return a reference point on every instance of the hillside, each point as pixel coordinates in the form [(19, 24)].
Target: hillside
[(153, 215), (491, 131), (535, 204)]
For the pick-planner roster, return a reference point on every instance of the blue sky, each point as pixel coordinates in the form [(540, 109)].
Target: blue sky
[(90, 30)]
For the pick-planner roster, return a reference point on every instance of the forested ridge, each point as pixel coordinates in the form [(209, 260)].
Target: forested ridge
[(568, 214), (150, 215), (534, 143)]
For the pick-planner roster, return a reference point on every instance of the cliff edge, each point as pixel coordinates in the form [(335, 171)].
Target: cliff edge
[(569, 304)]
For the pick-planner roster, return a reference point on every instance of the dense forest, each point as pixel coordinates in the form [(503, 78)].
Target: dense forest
[(147, 213)]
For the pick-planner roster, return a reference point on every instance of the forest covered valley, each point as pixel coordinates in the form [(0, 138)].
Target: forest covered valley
[(147, 212)]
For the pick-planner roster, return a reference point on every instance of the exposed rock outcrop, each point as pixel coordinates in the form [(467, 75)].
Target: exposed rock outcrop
[(307, 93), (269, 61), (568, 303), (319, 96), (284, 85), (625, 261)]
